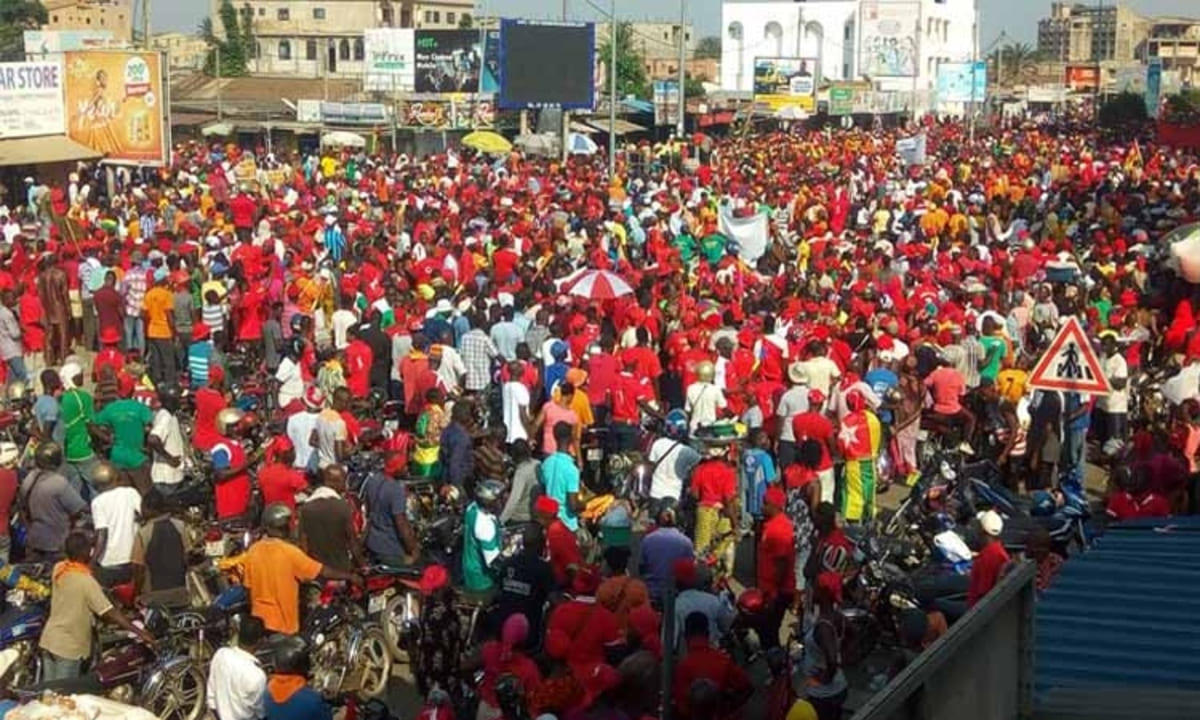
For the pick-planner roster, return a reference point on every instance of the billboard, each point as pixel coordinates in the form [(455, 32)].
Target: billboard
[(546, 65), (489, 76), (449, 114), (448, 61), (390, 65), (783, 82), (1130, 79), (962, 82), (115, 105), (841, 99), (41, 42), (889, 38), (1154, 83), (31, 99), (666, 102), (1083, 77)]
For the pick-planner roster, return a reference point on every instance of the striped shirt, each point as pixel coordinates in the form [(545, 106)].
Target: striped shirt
[(135, 291), (477, 351), (214, 316)]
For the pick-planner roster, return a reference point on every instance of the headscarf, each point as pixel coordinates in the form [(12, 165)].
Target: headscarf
[(513, 634), (67, 373)]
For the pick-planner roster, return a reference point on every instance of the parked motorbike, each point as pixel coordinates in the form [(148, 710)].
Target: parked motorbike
[(21, 626), (1064, 513)]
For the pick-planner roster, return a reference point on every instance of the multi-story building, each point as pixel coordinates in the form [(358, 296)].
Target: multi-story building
[(654, 40), (115, 16), (184, 52), (324, 38), (1176, 41), (1086, 33), (706, 69)]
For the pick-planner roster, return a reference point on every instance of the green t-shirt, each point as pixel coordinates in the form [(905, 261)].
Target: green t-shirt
[(77, 411), (994, 350), (713, 248), (128, 420), (481, 536)]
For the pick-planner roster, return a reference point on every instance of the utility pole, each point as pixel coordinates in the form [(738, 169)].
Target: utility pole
[(1097, 24), (974, 60), (145, 22), (680, 127), (612, 89), (217, 68)]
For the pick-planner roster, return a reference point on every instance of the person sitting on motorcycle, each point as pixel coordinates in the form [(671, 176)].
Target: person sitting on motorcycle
[(481, 537), (273, 568), (947, 387), (76, 597), (231, 466), (563, 546), (160, 552), (288, 695), (49, 505), (236, 687)]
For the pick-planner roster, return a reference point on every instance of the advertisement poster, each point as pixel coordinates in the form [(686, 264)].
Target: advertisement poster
[(1083, 77), (962, 82), (784, 82), (1154, 83), (489, 79), (31, 99), (547, 65), (666, 102), (390, 65), (841, 99), (448, 61), (115, 105), (889, 38), (1130, 79), (41, 42), (456, 114)]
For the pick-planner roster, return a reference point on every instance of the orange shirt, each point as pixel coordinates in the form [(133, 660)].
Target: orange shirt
[(159, 303), (273, 570)]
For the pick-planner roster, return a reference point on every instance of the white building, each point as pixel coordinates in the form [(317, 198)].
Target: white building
[(829, 33)]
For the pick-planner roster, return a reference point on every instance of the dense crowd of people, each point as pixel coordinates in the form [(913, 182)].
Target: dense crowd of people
[(448, 288)]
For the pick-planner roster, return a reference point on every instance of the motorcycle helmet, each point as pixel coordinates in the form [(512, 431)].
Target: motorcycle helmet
[(489, 492), (169, 396), (706, 371), (48, 455), (676, 424), (227, 419), (291, 656), (1043, 504), (103, 474), (17, 390), (751, 602), (277, 516)]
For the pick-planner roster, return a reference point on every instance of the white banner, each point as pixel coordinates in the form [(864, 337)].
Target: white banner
[(911, 149), (31, 99), (751, 234), (390, 65)]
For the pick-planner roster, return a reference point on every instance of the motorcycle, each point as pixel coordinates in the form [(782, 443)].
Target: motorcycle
[(21, 626), (1064, 513)]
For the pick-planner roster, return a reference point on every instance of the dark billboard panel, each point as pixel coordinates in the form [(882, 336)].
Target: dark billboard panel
[(447, 61), (546, 65)]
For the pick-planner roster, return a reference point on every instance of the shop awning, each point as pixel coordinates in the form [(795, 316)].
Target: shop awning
[(622, 127), (48, 149)]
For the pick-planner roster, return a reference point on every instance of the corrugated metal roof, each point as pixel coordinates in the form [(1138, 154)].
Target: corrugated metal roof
[(1122, 622)]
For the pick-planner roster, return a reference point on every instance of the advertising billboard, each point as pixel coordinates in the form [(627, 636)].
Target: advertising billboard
[(31, 99), (666, 102), (1154, 84), (449, 114), (390, 65), (115, 105), (889, 38), (546, 65), (1083, 77), (489, 77), (841, 99), (962, 82), (41, 42), (783, 82), (448, 61)]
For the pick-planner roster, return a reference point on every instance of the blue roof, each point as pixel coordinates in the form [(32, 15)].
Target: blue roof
[(1125, 614), (638, 106)]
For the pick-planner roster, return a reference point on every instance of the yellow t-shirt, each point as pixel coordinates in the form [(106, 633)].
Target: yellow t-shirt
[(1010, 383)]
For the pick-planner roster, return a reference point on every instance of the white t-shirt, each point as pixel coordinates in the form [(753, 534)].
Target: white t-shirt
[(330, 429), (236, 685), (116, 511), (514, 396), (452, 368), (299, 431), (677, 461), (1117, 401), (166, 428), (291, 383), (704, 400), (791, 403), (343, 320)]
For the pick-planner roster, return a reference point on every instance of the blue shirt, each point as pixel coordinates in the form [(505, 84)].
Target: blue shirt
[(455, 455), (881, 380), (555, 375), (759, 470), (659, 551), (385, 500), (304, 704), (561, 478), (199, 357)]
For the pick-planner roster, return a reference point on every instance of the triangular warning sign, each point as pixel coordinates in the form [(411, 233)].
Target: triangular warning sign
[(1070, 365)]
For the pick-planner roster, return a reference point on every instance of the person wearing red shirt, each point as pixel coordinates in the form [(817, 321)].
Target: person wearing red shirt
[(1134, 498), (561, 544), (714, 486), (504, 261), (629, 393), (278, 480), (645, 361), (776, 564), (244, 209), (231, 479), (814, 425), (210, 400), (705, 662), (359, 359), (591, 627), (602, 371), (989, 564)]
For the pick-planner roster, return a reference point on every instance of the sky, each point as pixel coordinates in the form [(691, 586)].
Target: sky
[(1018, 18)]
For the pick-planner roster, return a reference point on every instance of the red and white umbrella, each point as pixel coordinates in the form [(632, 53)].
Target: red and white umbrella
[(599, 285)]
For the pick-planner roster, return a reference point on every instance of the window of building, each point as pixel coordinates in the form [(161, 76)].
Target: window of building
[(428, 16), (360, 52), (450, 18), (283, 14), (318, 13), (285, 50), (89, 21), (310, 50), (262, 12), (389, 16), (344, 49), (437, 16), (54, 18)]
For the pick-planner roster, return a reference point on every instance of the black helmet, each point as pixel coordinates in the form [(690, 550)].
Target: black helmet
[(169, 395), (291, 656), (48, 455), (277, 516)]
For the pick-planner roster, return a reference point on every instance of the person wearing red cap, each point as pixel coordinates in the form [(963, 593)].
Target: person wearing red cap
[(776, 564), (592, 628), (860, 439), (561, 543), (705, 662), (278, 480), (814, 424)]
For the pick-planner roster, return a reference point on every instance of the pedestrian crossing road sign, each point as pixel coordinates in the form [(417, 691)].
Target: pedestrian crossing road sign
[(1070, 364)]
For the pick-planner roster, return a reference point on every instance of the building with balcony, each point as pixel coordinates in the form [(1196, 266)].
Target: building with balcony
[(1176, 42), (1086, 33), (114, 16), (184, 52)]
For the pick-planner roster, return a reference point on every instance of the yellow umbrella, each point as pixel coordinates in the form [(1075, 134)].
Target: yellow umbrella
[(487, 141)]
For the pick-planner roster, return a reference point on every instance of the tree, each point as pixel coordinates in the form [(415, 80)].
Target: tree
[(1015, 62), (693, 86), (1122, 110), (631, 69), (17, 16), (236, 48), (465, 22), (708, 47)]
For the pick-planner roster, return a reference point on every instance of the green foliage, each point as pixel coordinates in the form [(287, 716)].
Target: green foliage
[(693, 86), (1182, 109), (237, 45), (1015, 63), (631, 70), (709, 47), (17, 16), (1124, 109), (466, 22)]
